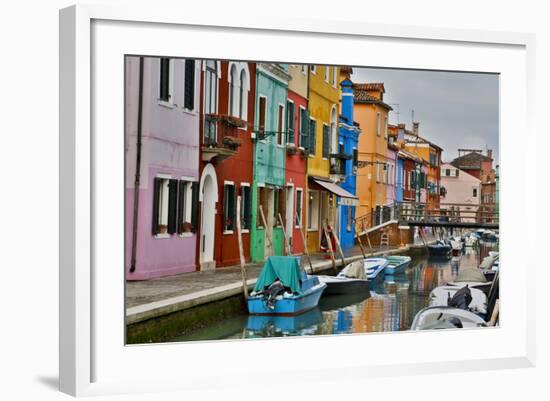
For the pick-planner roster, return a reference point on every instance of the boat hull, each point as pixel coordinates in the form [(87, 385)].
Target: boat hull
[(346, 287), (287, 306), (392, 269)]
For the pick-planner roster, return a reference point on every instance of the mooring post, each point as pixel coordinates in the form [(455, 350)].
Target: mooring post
[(241, 252)]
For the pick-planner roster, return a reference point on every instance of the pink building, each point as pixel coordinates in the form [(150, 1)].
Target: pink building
[(162, 158), (460, 187)]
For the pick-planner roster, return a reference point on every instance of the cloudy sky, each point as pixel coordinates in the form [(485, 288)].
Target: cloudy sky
[(455, 110)]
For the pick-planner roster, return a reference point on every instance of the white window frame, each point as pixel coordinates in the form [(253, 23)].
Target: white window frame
[(334, 76), (164, 196), (233, 100), (327, 73), (386, 127), (196, 93), (378, 122), (260, 96), (246, 184), (288, 100), (300, 122), (313, 69), (170, 102), (227, 183), (188, 202), (301, 197), (282, 142), (317, 210)]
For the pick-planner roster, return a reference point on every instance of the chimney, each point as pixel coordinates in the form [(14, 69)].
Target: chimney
[(490, 153), (416, 124)]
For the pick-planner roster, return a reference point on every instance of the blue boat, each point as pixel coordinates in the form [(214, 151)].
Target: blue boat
[(373, 267), (284, 289), (396, 264)]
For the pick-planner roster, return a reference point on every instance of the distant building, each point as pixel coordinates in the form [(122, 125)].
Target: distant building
[(488, 195), (462, 188), (473, 161)]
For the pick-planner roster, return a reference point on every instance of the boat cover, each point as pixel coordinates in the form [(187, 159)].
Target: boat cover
[(471, 275), (284, 268), (356, 270)]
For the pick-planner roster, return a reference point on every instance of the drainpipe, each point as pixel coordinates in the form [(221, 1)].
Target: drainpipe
[(138, 168)]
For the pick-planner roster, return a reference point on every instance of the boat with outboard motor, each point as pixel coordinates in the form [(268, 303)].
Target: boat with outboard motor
[(283, 288)]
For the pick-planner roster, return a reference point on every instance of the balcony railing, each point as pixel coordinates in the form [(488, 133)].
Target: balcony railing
[(338, 163), (222, 131)]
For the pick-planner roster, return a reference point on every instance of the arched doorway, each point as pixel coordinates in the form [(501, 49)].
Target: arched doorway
[(208, 196)]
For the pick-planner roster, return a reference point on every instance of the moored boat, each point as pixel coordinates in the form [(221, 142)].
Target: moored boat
[(372, 266), (464, 297), (283, 288), (396, 264), (445, 317), (353, 280), (440, 248)]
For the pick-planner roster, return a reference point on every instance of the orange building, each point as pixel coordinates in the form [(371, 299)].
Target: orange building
[(372, 114)]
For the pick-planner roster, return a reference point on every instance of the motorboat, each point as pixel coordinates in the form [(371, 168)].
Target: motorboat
[(440, 248), (467, 298), (353, 280), (396, 264), (456, 246), (372, 267), (446, 317), (473, 278), (283, 288)]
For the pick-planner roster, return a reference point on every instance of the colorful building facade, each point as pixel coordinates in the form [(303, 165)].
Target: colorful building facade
[(460, 187), (372, 114), (226, 161), (162, 161), (268, 188), (348, 142)]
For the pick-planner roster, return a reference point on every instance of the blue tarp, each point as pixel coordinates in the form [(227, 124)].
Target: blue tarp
[(284, 268)]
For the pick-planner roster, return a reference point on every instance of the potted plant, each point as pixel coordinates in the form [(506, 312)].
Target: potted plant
[(232, 142), (162, 228), (186, 227), (291, 149)]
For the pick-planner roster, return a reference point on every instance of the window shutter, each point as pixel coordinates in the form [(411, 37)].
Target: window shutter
[(181, 206), (195, 207), (156, 193), (164, 79), (172, 206), (290, 122), (326, 141), (312, 136), (189, 101), (246, 208), (304, 128)]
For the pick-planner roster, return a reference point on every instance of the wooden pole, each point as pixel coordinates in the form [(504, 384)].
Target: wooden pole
[(494, 315), (299, 220), (287, 242), (340, 250), (361, 246), (330, 247), (241, 252), (368, 241), (264, 222)]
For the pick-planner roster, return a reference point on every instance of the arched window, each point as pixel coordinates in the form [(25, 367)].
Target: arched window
[(234, 98), (243, 95), (333, 131), (210, 100)]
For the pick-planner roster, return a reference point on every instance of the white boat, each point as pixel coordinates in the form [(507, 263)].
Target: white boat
[(473, 278), (446, 317), (440, 296), (373, 267), (354, 280), (456, 246), (471, 240)]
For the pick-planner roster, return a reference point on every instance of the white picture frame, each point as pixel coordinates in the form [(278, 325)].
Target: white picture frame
[(93, 358)]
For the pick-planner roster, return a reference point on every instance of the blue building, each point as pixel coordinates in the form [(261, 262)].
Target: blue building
[(400, 175), (348, 143)]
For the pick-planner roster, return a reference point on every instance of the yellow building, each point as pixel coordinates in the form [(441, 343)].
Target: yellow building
[(372, 114), (323, 140)]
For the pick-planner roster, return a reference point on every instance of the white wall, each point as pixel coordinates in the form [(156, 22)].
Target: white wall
[(29, 162)]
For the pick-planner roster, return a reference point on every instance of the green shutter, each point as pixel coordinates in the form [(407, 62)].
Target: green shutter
[(172, 206), (312, 136), (326, 141)]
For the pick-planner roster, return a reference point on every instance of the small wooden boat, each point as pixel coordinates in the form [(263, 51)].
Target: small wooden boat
[(396, 264), (372, 266), (351, 281), (283, 288), (446, 317), (440, 248)]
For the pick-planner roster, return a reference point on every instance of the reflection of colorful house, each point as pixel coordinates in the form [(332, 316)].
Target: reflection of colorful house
[(372, 115), (296, 157), (348, 138), (162, 157), (226, 160), (268, 189)]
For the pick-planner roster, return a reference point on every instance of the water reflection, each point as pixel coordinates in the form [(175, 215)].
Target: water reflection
[(391, 304)]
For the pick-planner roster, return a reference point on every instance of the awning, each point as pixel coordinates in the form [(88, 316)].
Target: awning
[(347, 198)]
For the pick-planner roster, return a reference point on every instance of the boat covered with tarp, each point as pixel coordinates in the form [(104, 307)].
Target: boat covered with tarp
[(446, 317), (471, 299), (396, 264), (353, 280), (283, 288), (473, 278), (440, 248)]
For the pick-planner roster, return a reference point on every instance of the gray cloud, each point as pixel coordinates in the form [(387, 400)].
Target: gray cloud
[(455, 110)]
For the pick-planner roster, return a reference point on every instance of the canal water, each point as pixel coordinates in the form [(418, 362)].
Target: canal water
[(391, 305)]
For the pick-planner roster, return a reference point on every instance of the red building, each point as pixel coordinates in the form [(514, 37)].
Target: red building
[(226, 155), (474, 162), (296, 165)]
